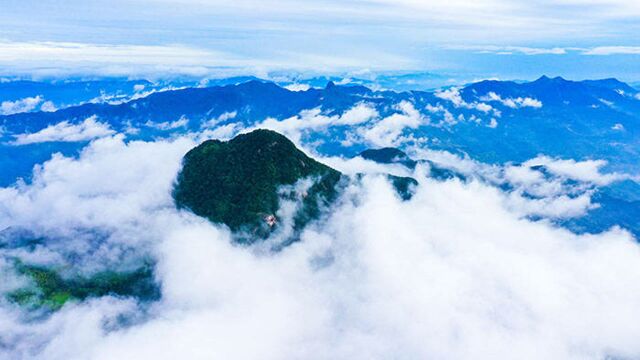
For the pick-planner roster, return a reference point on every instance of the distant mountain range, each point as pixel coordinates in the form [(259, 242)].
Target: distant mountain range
[(492, 121), (68, 93)]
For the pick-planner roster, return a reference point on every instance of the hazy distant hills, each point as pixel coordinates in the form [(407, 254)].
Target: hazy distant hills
[(492, 121), (67, 93)]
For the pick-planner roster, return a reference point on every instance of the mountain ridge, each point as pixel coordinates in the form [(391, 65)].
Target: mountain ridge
[(564, 118), (254, 85)]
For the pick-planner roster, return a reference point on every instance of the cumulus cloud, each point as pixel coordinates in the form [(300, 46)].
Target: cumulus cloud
[(314, 120), (556, 207), (388, 131), (168, 125), (26, 105), (457, 272), (359, 165), (453, 95), (108, 173), (220, 119), (18, 106), (513, 103), (66, 131), (108, 189), (587, 170), (447, 116), (222, 132), (298, 87), (361, 124), (559, 191), (48, 106), (454, 273)]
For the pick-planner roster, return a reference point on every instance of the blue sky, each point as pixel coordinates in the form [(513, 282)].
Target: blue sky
[(465, 39)]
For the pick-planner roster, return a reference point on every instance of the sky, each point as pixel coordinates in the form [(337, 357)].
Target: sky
[(459, 271), (517, 39)]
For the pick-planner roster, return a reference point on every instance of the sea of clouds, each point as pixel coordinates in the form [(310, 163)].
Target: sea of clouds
[(460, 271)]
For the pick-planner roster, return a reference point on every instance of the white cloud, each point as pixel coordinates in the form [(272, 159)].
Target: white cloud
[(359, 114), (618, 127), (453, 95), (221, 118), (65, 131), (533, 182), (493, 123), (71, 52), (298, 87), (388, 131), (528, 102), (26, 105), (559, 207), (564, 190), (313, 120), (513, 103), (222, 132), (485, 108), (613, 50), (48, 106), (448, 118), (454, 273), (116, 99), (607, 102), (523, 50), (309, 35), (18, 106), (587, 170), (169, 125), (509, 50), (120, 59), (358, 165)]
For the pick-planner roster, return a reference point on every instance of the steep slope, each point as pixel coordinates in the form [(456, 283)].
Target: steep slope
[(237, 182), (388, 155)]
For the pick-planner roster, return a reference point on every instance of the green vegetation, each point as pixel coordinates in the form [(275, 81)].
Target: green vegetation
[(237, 182), (403, 185), (388, 155), (52, 291)]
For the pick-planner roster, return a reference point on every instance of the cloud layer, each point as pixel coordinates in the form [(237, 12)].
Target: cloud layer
[(455, 273), (65, 131), (25, 105)]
